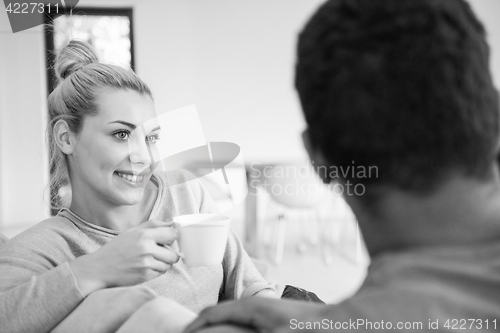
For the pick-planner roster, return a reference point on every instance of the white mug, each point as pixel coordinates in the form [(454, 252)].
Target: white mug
[(202, 238)]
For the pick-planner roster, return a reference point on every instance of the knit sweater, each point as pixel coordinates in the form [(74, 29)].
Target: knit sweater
[(38, 288)]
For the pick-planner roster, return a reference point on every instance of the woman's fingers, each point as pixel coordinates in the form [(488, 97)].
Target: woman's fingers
[(160, 232), (151, 224), (160, 266), (165, 255), (164, 235)]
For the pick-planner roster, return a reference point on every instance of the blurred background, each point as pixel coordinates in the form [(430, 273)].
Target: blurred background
[(234, 61)]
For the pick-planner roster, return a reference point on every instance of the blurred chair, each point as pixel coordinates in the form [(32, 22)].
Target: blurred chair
[(344, 236), (296, 193)]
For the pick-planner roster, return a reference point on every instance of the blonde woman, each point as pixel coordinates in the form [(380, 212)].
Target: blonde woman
[(114, 231)]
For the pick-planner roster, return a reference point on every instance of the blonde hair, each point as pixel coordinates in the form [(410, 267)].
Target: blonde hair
[(81, 77)]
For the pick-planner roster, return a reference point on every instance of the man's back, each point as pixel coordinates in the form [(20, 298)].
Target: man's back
[(445, 286)]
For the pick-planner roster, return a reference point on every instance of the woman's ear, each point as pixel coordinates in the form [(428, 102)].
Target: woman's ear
[(63, 137)]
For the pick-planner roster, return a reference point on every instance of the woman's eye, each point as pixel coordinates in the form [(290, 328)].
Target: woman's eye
[(152, 138), (123, 135)]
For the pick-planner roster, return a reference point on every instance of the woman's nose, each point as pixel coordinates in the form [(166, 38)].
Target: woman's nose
[(140, 152)]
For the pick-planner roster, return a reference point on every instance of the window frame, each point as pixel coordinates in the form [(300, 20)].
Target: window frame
[(91, 11)]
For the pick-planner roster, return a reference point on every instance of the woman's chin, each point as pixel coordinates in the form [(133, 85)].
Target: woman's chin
[(131, 197)]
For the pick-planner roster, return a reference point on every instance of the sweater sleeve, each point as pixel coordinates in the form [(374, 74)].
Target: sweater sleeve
[(36, 292), (241, 277)]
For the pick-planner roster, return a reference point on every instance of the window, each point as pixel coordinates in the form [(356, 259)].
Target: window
[(108, 30)]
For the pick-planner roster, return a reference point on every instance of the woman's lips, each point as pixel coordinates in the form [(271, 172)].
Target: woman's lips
[(130, 177)]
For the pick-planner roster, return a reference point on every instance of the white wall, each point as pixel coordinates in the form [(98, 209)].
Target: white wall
[(234, 60), (488, 11), (23, 167)]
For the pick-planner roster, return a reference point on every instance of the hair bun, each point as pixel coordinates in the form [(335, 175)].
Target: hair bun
[(72, 57)]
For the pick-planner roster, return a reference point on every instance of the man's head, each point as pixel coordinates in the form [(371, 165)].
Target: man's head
[(400, 85)]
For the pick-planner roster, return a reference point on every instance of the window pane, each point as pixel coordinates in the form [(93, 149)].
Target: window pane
[(109, 35)]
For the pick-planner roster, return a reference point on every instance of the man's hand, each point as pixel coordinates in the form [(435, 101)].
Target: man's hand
[(226, 329), (261, 314)]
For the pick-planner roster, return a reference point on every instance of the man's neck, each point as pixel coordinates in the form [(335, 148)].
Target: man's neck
[(461, 211)]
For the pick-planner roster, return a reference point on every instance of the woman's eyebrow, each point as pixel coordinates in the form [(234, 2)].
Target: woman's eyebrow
[(132, 126)]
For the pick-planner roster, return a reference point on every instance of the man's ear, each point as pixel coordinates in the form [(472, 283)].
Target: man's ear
[(315, 155), (63, 137), (307, 144), (317, 158)]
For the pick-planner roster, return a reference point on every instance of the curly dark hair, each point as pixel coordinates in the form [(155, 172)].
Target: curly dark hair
[(403, 85)]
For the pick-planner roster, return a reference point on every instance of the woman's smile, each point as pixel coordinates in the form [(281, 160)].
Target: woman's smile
[(130, 178)]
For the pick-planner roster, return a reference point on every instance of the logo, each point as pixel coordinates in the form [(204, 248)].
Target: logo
[(25, 14)]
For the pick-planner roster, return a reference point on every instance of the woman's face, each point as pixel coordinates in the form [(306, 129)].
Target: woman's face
[(114, 154)]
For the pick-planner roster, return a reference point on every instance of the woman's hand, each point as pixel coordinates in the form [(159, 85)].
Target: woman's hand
[(133, 257)]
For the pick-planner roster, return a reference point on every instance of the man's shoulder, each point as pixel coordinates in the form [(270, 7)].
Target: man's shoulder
[(417, 284)]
